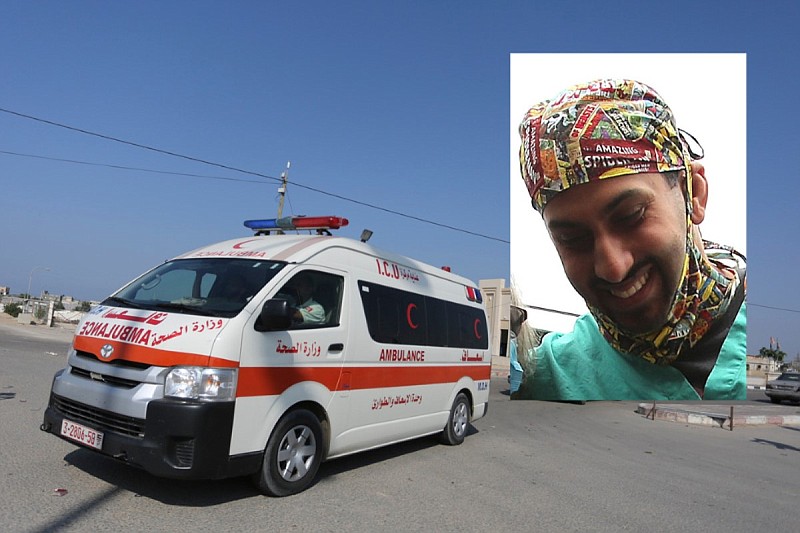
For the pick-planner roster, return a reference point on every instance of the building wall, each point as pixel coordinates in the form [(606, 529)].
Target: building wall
[(497, 301), (758, 366)]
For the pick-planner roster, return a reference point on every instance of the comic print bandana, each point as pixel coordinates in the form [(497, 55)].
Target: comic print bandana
[(608, 128), (598, 130)]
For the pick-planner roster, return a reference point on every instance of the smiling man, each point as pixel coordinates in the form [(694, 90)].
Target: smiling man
[(622, 197)]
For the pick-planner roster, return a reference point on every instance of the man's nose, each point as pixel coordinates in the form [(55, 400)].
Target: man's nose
[(613, 259)]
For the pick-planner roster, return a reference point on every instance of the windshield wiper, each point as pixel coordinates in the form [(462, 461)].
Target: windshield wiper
[(117, 300), (183, 308)]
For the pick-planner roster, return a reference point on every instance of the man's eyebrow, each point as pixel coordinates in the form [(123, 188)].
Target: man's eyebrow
[(607, 209), (621, 197), (562, 224)]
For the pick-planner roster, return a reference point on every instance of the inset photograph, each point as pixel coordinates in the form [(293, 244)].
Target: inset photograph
[(628, 226)]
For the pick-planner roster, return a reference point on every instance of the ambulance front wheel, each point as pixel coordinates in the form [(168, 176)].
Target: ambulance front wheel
[(293, 455), (458, 421)]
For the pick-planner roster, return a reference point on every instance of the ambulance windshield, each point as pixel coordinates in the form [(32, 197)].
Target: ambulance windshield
[(206, 287)]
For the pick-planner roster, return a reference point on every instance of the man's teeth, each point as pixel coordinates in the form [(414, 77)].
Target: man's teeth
[(633, 289)]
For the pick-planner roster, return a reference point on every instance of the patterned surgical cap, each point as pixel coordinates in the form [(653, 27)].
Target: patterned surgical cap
[(594, 131)]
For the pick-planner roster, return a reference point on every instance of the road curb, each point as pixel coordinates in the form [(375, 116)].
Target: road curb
[(714, 415)]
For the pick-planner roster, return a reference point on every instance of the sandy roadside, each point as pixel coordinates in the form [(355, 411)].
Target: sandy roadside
[(58, 331)]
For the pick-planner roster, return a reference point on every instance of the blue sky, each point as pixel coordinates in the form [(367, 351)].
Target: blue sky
[(400, 105)]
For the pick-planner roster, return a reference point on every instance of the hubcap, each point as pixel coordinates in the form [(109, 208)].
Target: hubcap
[(296, 453), (460, 419)]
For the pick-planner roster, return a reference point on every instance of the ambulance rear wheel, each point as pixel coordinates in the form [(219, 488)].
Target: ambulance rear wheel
[(458, 421), (293, 455)]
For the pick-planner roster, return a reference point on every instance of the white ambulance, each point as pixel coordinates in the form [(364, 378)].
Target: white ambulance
[(269, 354)]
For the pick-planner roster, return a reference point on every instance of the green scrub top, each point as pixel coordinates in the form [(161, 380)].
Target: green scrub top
[(581, 365)]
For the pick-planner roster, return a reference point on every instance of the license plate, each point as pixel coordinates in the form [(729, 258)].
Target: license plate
[(82, 434)]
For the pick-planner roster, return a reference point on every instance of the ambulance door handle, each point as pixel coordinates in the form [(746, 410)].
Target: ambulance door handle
[(338, 347)]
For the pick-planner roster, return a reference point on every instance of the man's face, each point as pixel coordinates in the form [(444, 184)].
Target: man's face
[(304, 289), (622, 242)]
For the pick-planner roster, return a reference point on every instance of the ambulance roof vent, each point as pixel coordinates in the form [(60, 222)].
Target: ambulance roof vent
[(322, 225)]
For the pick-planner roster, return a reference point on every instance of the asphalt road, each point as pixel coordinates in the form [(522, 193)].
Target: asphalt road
[(527, 466)]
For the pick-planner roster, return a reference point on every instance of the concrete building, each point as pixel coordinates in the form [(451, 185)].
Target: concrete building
[(758, 365), (760, 370), (497, 301)]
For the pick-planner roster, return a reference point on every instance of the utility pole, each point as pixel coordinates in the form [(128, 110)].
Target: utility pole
[(282, 188), (282, 191), (30, 278)]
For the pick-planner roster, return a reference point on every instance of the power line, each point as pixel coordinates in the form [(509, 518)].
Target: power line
[(249, 172), (134, 144), (137, 169), (549, 310), (750, 304)]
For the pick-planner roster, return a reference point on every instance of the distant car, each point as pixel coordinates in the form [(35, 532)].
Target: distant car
[(786, 387)]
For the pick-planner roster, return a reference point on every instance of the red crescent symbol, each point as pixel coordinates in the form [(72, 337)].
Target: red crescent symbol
[(408, 316), (475, 327), (238, 245)]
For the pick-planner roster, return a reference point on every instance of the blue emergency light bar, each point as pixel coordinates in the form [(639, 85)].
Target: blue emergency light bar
[(296, 223)]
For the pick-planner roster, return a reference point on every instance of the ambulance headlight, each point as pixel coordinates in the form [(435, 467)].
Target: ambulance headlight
[(200, 383)]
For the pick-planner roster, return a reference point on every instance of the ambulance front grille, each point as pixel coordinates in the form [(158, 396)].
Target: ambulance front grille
[(104, 378), (115, 362), (98, 418)]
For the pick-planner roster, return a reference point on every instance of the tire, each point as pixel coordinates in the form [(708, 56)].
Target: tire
[(293, 455), (458, 421), (774, 400)]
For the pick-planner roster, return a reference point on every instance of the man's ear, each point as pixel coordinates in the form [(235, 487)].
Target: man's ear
[(699, 192)]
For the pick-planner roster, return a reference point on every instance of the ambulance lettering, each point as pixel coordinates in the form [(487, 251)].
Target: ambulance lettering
[(144, 336), (467, 356), (402, 355), (391, 401), (152, 318), (221, 253), (104, 330), (169, 336), (194, 327), (309, 349), (395, 271)]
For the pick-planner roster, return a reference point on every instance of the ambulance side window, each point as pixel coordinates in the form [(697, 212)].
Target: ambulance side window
[(467, 327), (395, 317), (316, 299), (401, 317), (437, 322)]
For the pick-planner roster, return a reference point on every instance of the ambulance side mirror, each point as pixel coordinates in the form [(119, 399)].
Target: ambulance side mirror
[(276, 315)]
